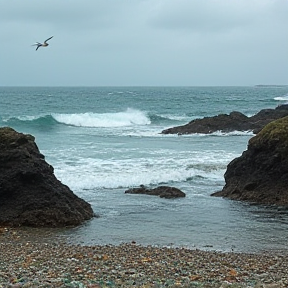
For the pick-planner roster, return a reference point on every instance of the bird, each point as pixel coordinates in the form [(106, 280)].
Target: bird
[(45, 44)]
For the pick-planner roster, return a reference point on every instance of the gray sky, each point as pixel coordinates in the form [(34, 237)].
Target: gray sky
[(144, 42)]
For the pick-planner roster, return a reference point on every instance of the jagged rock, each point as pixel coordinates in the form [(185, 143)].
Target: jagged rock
[(235, 121), (261, 174), (30, 194), (162, 191)]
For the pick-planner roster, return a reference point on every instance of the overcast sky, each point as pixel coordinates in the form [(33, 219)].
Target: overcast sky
[(144, 42)]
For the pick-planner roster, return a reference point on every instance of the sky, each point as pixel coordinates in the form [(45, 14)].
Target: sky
[(144, 42)]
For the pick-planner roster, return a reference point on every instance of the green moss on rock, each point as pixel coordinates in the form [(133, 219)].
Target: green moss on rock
[(9, 136), (274, 134)]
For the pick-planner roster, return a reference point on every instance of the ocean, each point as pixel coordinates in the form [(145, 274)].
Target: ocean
[(103, 140)]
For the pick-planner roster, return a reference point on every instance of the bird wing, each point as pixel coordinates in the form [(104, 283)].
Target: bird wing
[(48, 39)]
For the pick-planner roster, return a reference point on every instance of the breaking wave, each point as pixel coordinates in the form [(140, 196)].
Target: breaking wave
[(130, 117)]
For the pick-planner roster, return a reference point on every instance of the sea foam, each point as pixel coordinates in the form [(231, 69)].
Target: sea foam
[(281, 98), (153, 170), (130, 117)]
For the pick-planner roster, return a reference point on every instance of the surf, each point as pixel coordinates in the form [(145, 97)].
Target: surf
[(130, 117)]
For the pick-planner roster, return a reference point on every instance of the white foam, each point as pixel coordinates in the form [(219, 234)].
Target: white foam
[(281, 98), (216, 133), (124, 179), (92, 173), (130, 117), (233, 133)]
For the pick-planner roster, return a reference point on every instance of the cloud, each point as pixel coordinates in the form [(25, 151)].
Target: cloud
[(144, 42), (215, 15)]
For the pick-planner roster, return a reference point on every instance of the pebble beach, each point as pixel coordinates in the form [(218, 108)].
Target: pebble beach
[(27, 261)]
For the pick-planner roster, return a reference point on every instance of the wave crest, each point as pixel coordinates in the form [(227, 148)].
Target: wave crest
[(130, 117)]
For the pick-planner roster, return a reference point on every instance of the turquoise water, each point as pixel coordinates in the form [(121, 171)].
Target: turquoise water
[(104, 140)]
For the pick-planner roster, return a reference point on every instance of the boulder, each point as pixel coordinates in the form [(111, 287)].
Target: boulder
[(30, 194), (235, 121), (260, 174), (162, 191)]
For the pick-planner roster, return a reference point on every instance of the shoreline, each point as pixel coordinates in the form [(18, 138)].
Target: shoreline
[(27, 262)]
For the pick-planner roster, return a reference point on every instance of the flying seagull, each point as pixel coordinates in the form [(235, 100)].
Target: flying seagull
[(45, 44)]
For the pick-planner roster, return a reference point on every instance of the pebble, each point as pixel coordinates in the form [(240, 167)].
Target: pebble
[(32, 263)]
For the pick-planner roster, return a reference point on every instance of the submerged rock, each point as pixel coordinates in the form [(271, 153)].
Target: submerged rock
[(162, 191), (235, 121), (261, 174), (30, 194)]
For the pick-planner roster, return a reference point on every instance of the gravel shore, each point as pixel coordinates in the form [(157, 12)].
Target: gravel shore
[(26, 262)]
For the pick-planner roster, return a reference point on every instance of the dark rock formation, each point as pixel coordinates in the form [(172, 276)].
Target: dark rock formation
[(235, 121), (162, 191), (30, 194), (261, 174)]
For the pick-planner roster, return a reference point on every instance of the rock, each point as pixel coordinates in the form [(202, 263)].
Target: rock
[(162, 191), (30, 194), (260, 174), (235, 121)]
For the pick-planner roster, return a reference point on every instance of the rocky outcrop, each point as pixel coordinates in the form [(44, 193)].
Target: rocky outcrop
[(162, 191), (30, 194), (235, 121), (261, 174)]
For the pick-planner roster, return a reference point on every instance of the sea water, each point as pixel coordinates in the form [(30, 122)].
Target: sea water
[(103, 140)]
